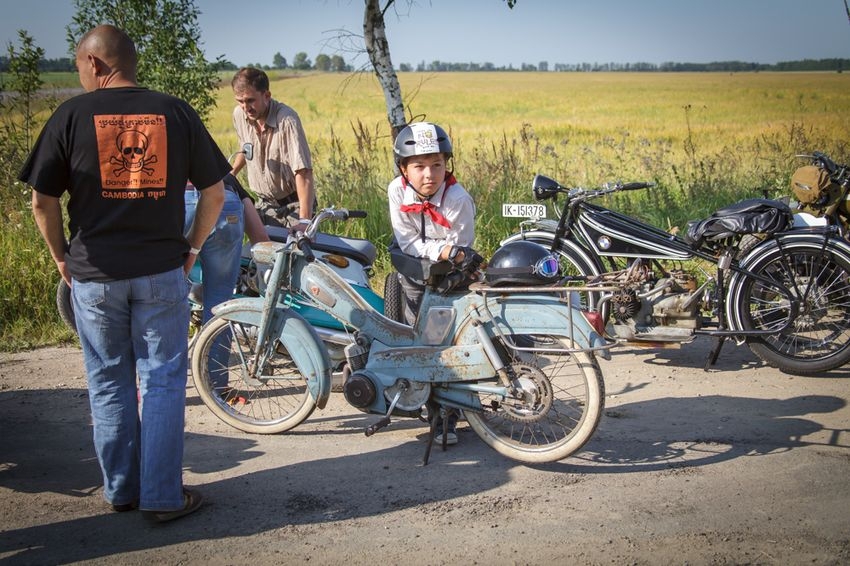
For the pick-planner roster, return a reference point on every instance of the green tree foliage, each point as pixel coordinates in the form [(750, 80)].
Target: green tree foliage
[(224, 65), (338, 64), (323, 62), (301, 62), (278, 61), (25, 80), (167, 37), (19, 106)]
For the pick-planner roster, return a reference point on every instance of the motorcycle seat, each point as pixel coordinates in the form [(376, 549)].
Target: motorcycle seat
[(360, 250), (751, 216)]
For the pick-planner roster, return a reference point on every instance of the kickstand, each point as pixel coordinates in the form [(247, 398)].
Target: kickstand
[(432, 432), (715, 352), (444, 418)]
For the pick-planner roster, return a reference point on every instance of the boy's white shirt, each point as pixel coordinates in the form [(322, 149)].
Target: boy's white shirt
[(455, 204)]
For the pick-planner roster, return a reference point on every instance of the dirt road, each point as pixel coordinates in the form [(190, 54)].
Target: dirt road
[(739, 465)]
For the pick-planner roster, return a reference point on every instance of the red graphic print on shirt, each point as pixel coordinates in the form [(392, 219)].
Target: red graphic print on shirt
[(132, 150)]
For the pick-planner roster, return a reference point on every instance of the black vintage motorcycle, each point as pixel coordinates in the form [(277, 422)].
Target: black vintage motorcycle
[(782, 289)]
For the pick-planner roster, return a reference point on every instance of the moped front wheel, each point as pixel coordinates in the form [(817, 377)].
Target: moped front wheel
[(818, 337), (554, 410), (273, 401)]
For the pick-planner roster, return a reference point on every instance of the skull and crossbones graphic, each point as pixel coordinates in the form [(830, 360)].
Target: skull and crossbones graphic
[(133, 147)]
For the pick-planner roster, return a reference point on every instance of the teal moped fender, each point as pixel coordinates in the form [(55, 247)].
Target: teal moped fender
[(297, 336)]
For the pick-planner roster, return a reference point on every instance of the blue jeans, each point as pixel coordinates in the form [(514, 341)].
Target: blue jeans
[(219, 259), (222, 250), (137, 328)]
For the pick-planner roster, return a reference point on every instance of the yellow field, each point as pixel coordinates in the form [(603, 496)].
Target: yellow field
[(579, 108), (705, 138)]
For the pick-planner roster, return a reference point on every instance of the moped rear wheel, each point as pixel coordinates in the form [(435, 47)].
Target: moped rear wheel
[(393, 298), (274, 402), (818, 338), (559, 401)]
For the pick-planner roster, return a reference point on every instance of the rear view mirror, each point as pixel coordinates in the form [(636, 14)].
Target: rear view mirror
[(248, 150)]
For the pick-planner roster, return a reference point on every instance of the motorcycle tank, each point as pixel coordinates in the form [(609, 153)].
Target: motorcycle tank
[(610, 233)]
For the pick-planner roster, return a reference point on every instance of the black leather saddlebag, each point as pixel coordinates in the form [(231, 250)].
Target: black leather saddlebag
[(752, 216)]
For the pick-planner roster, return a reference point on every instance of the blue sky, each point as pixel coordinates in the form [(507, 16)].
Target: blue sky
[(481, 31)]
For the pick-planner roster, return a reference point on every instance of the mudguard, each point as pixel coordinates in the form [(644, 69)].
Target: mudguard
[(296, 334)]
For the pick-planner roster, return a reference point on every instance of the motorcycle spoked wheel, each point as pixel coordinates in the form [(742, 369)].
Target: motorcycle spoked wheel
[(818, 339), (556, 410), (276, 402)]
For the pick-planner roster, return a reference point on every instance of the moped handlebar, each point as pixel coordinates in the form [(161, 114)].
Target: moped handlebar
[(304, 246), (331, 214)]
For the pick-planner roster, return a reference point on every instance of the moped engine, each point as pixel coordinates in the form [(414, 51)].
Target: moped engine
[(358, 387), (359, 390)]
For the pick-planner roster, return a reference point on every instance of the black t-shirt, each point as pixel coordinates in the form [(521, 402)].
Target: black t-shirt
[(124, 155)]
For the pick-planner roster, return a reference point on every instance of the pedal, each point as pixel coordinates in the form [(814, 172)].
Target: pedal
[(385, 420), (373, 428)]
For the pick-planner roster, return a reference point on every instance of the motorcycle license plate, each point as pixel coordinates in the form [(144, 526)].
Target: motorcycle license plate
[(524, 210)]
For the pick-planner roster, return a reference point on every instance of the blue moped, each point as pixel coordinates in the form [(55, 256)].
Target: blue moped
[(519, 362)]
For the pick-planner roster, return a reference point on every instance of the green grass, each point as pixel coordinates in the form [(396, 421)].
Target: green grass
[(706, 139)]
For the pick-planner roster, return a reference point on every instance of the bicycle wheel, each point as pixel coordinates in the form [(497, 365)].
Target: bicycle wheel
[(818, 338), (556, 407), (270, 403)]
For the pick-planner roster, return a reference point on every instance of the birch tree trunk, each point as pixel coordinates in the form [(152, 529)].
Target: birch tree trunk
[(378, 49)]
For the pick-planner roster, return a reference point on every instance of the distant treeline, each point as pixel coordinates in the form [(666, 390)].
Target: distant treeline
[(837, 65)]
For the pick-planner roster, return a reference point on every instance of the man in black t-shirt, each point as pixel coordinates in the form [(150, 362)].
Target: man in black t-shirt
[(124, 155)]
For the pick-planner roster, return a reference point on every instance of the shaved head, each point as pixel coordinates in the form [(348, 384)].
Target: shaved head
[(112, 46)]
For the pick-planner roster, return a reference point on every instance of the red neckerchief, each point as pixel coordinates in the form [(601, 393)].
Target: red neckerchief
[(428, 208)]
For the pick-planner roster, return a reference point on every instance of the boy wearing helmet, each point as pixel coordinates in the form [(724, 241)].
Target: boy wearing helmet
[(432, 215)]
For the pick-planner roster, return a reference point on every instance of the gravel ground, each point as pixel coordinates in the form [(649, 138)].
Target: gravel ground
[(738, 465)]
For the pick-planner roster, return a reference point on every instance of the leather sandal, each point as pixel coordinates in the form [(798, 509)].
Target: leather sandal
[(192, 501)]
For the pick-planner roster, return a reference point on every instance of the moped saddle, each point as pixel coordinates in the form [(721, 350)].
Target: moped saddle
[(419, 269), (751, 216), (357, 249)]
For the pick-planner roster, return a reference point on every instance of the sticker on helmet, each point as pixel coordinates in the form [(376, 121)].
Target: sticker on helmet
[(425, 137)]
